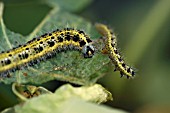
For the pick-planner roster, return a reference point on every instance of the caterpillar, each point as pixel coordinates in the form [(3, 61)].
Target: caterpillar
[(44, 47), (111, 49)]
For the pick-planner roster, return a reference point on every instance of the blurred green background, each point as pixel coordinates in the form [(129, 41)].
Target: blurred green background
[(143, 29)]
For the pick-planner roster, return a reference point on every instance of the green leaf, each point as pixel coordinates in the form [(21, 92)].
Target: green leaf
[(78, 106), (72, 66), (70, 5), (60, 100), (24, 92), (73, 105)]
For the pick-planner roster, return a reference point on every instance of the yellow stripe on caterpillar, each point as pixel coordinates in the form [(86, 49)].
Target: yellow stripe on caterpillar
[(111, 48), (44, 47)]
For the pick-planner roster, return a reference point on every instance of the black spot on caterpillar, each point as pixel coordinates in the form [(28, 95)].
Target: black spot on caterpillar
[(111, 49), (44, 47)]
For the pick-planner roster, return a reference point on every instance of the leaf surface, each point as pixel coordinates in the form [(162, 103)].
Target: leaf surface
[(69, 66)]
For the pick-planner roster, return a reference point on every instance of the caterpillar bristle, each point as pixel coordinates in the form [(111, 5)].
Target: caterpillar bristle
[(45, 47), (110, 42)]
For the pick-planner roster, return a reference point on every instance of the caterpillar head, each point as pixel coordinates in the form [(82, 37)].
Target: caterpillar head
[(88, 51)]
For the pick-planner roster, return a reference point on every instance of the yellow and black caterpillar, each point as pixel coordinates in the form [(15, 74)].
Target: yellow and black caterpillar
[(111, 48), (44, 47)]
